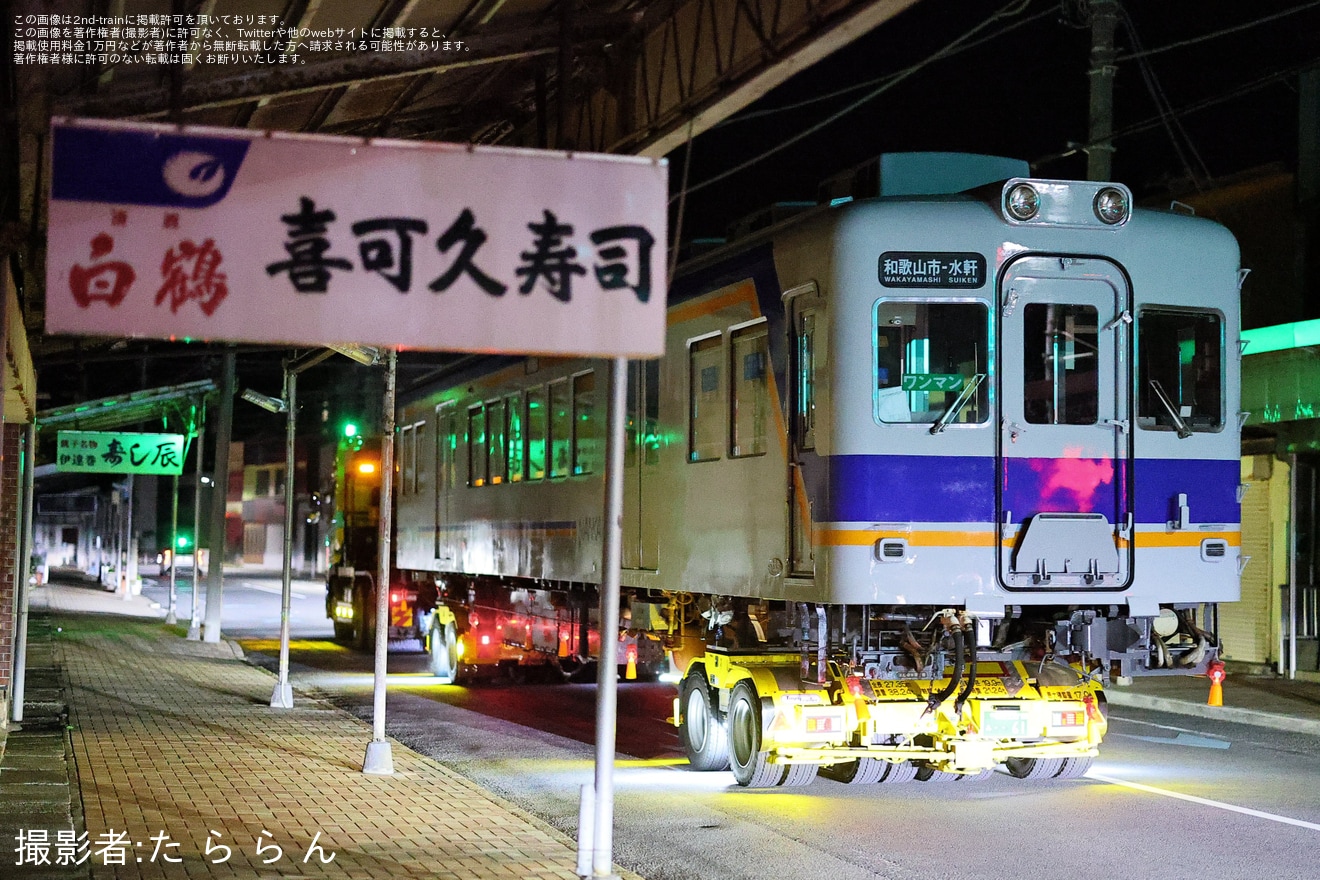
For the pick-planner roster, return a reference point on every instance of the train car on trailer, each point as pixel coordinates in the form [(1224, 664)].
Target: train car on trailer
[(916, 477)]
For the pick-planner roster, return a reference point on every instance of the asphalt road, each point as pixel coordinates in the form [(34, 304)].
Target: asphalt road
[(1170, 797)]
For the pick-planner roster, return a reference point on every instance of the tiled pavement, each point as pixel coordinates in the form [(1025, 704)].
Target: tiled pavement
[(178, 752)]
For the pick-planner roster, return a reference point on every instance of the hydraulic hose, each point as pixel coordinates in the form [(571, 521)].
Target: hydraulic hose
[(966, 692), (944, 692)]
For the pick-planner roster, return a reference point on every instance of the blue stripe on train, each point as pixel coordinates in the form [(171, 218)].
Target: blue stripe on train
[(913, 488)]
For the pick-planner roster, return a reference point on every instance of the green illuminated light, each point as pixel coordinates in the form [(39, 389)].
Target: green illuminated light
[(350, 430), (1281, 337)]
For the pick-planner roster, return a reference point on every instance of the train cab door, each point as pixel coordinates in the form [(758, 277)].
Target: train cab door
[(1065, 445), (806, 329)]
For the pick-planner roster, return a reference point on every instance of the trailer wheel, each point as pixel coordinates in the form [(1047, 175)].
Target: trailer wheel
[(927, 773), (903, 771), (799, 775), (444, 652), (863, 771), (704, 736), (1034, 768), (1074, 768), (751, 764)]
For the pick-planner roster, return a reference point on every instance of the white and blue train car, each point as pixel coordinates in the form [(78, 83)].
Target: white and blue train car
[(916, 475)]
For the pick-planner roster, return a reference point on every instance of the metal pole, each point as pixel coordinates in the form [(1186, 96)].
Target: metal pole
[(607, 675), (1292, 566), (379, 759), (215, 582), (25, 548), (195, 622), (1099, 141), (172, 617), (282, 698), (126, 576)]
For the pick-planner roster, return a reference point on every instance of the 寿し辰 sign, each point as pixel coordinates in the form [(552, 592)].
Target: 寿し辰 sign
[(118, 452), (166, 232)]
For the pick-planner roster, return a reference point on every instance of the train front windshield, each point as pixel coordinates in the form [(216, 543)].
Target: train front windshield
[(926, 354)]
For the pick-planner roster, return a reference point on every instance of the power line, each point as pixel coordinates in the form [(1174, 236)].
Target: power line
[(1013, 8)]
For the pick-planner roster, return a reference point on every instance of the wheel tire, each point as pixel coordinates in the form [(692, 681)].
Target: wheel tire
[(364, 620), (750, 763), (1074, 768), (702, 731), (444, 652), (903, 771), (863, 771), (799, 775), (1034, 768), (926, 773)]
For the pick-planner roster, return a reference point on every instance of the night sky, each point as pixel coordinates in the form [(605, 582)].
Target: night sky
[(1019, 87)]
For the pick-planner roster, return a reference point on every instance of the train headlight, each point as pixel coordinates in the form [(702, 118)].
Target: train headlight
[(1111, 206), (1022, 202)]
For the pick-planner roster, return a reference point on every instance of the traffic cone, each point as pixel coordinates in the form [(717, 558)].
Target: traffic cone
[(1217, 675), (563, 644), (631, 672)]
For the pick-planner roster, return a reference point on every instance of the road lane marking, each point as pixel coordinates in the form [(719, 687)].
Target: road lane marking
[(277, 590), (1182, 739), (1191, 798)]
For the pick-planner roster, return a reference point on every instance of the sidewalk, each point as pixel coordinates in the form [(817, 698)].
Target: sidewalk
[(180, 761)]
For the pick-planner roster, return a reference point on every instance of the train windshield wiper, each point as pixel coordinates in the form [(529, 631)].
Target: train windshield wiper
[(1183, 431), (957, 406)]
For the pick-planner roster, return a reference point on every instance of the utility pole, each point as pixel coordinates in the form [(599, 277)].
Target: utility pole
[(1099, 138)]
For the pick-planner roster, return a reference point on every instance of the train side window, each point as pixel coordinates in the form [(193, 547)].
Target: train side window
[(537, 433), (925, 354), (1180, 353), (561, 428), (495, 442), (749, 404), (705, 392), (586, 425), (805, 399), (513, 409), (419, 461), (476, 446), (446, 448), (643, 413), (1061, 371), (407, 459)]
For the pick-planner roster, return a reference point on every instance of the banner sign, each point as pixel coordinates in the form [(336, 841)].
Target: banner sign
[(217, 234), (118, 452)]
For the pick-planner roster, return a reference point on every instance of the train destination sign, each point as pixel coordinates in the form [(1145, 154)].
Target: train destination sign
[(118, 452), (238, 235), (931, 269)]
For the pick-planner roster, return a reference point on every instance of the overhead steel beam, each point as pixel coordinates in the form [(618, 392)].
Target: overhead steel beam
[(696, 62), (495, 45)]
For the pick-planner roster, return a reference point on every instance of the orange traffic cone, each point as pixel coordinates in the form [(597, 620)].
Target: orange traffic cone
[(563, 644), (1217, 675), (631, 672)]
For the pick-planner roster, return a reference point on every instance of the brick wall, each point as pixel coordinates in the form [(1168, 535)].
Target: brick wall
[(9, 500)]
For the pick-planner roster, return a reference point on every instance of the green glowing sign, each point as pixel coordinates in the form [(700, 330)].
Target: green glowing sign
[(118, 452), (932, 382)]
